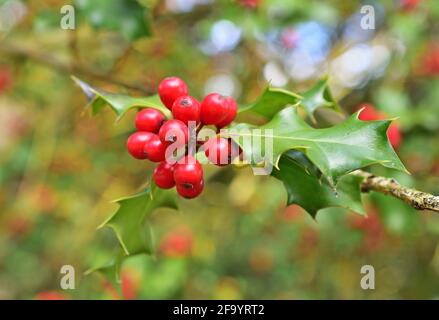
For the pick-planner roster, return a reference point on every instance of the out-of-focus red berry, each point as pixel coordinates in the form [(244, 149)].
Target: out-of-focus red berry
[(409, 5), (369, 113), (429, 65), (130, 285), (289, 38), (177, 243), (372, 228), (251, 4), (394, 135), (5, 79), (51, 295)]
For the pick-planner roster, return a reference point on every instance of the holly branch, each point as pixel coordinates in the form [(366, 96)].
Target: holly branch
[(415, 198)]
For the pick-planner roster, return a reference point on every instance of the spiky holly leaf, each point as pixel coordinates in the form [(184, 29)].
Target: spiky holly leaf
[(336, 151), (319, 96), (110, 270), (306, 188), (271, 102), (128, 222), (119, 103)]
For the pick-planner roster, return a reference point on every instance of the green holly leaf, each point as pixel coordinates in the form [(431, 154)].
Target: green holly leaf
[(119, 103), (126, 17), (306, 188), (128, 221), (275, 99), (336, 151), (110, 270), (271, 102), (319, 96)]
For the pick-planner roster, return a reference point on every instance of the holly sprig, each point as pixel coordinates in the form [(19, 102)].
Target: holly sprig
[(313, 163)]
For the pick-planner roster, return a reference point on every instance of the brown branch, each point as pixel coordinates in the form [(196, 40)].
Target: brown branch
[(69, 68), (417, 199)]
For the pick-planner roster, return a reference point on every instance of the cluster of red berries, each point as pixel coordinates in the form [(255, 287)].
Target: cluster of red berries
[(370, 113), (155, 135)]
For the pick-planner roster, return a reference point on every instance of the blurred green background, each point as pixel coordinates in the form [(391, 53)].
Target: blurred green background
[(60, 167)]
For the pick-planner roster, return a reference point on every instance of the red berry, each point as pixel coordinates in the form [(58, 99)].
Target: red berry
[(409, 5), (5, 79), (173, 130), (394, 135), (186, 109), (164, 175), (251, 4), (214, 109), (221, 151), (189, 191), (170, 89), (130, 285), (188, 171), (177, 243), (136, 144), (51, 295), (231, 113), (149, 120), (369, 113), (155, 149)]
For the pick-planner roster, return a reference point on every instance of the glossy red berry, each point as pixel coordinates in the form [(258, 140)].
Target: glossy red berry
[(190, 191), (214, 109), (188, 171), (164, 175), (155, 149), (149, 120), (231, 113), (221, 151), (136, 144), (170, 89), (186, 108), (172, 131)]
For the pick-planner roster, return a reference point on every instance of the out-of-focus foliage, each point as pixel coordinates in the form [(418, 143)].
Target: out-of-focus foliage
[(60, 167)]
